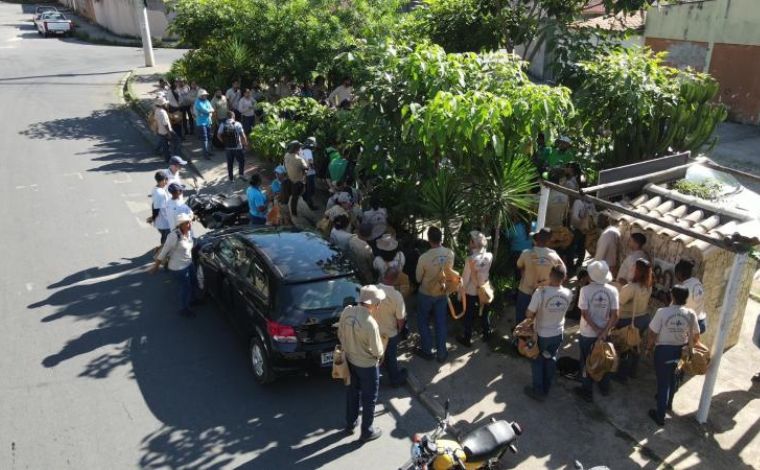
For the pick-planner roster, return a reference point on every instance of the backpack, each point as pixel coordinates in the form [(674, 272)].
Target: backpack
[(230, 136)]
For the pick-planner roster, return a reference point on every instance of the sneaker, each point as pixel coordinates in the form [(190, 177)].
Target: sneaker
[(464, 341), (584, 394), (653, 414), (373, 434), (532, 393), (756, 378), (425, 355)]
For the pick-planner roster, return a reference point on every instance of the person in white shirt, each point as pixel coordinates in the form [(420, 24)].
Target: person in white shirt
[(388, 255), (391, 319), (233, 96), (340, 234), (172, 173), (628, 266), (176, 206), (377, 216), (307, 153), (342, 96), (168, 140), (683, 272), (477, 267), (160, 197), (178, 251), (599, 303), (582, 216), (559, 203), (247, 109), (669, 332), (607, 245), (548, 307)]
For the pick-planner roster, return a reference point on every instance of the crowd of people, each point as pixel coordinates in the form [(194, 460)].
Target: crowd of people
[(613, 285)]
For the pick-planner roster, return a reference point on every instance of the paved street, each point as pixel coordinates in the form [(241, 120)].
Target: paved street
[(97, 370)]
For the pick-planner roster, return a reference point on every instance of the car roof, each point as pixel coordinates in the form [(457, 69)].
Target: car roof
[(298, 256)]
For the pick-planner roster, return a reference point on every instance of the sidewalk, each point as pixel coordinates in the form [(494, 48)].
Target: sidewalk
[(487, 381)]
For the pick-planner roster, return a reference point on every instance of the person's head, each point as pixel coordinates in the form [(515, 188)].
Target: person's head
[(679, 294), (161, 179), (542, 237), (478, 242), (294, 146), (345, 200), (556, 174), (435, 236), (637, 241), (603, 221), (573, 169), (218, 94), (311, 142), (162, 83), (684, 270), (255, 180), (341, 222), (193, 84), (599, 272), (320, 80), (184, 222), (583, 277), (391, 276), (563, 143), (175, 163), (642, 273), (557, 276), (161, 102), (231, 116), (175, 190), (370, 297), (374, 202), (180, 82), (235, 84), (365, 231), (247, 92), (280, 172), (346, 81), (202, 94)]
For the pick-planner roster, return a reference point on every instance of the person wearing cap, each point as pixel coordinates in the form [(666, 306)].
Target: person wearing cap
[(160, 197), (257, 201), (634, 307), (281, 191), (548, 307), (534, 264), (311, 173), (173, 172), (361, 253), (388, 255), (296, 166), (477, 267), (432, 299), (233, 136), (628, 266), (561, 154), (669, 332), (168, 140), (247, 109), (609, 239), (203, 120), (359, 335), (391, 318), (684, 274), (599, 303), (176, 205), (178, 251)]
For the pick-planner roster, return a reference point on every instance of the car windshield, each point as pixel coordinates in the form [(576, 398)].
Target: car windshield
[(328, 295), (53, 16)]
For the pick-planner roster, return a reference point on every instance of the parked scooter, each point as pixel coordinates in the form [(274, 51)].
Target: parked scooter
[(481, 449), (219, 210)]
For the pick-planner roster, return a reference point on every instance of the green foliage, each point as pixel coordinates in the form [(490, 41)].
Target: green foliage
[(632, 107), (708, 189), (442, 198)]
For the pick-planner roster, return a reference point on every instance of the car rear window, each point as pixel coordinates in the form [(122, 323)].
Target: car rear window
[(327, 295), (53, 16)]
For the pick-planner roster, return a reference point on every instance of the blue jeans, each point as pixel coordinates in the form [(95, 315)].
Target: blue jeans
[(427, 305), (586, 345), (365, 382), (164, 233), (188, 285), (168, 145), (204, 135), (232, 156), (311, 186), (629, 360), (521, 306), (247, 122), (545, 368), (665, 362), (473, 309), (391, 360)]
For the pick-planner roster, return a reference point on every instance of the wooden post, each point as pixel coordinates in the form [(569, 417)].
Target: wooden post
[(543, 205)]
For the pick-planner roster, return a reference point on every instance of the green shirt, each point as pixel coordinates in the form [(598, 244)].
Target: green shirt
[(554, 157)]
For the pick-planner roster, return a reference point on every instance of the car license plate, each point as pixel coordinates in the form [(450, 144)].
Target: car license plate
[(327, 359)]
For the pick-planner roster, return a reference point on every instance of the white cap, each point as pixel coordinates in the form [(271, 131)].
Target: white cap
[(182, 218), (371, 295), (599, 272)]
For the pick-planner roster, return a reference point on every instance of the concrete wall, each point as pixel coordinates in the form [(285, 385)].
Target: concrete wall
[(120, 16), (686, 32)]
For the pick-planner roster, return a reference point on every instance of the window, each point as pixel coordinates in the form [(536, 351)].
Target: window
[(232, 253), (258, 278)]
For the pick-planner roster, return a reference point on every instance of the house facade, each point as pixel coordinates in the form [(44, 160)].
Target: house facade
[(120, 16)]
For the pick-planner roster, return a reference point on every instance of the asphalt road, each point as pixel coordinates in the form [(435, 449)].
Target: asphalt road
[(96, 369)]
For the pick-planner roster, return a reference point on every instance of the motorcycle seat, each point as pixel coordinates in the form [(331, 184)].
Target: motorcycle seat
[(235, 203), (487, 441)]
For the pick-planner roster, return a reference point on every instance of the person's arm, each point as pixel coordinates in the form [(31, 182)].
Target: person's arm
[(169, 245), (375, 344), (535, 304), (244, 139), (611, 322), (420, 271), (220, 131), (626, 294), (400, 313), (521, 261), (466, 274)]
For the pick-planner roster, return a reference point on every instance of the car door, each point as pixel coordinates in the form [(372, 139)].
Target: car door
[(228, 253), (257, 303)]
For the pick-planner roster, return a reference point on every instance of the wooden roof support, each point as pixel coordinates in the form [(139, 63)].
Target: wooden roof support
[(643, 178), (711, 164)]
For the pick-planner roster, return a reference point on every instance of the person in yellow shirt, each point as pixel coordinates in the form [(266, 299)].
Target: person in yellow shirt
[(535, 264), (391, 317), (359, 334), (431, 298), (634, 306)]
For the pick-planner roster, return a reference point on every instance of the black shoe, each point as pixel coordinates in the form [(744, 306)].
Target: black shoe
[(756, 378), (423, 354), (653, 414), (442, 359), (349, 430), (533, 393), (605, 391), (584, 394), (374, 433), (464, 341)]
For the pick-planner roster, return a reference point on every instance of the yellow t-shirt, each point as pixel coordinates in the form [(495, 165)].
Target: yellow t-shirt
[(429, 268), (634, 298), (537, 264), (390, 310)]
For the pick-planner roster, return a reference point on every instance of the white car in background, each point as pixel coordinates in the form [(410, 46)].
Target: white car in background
[(53, 23), (42, 9)]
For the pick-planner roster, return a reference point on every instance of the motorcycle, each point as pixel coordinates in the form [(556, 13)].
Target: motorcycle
[(481, 449), (219, 210)]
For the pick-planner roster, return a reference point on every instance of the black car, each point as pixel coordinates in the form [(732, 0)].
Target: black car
[(283, 289)]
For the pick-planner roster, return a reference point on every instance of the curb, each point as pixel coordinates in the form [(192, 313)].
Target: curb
[(433, 406), (138, 116)]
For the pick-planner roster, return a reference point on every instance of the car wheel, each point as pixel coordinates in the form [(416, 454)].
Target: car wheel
[(260, 361)]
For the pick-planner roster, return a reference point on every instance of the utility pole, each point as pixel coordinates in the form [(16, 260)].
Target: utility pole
[(142, 15)]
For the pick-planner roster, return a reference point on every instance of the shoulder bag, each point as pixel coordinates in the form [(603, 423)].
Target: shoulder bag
[(485, 291), (695, 356), (340, 369), (627, 338)]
